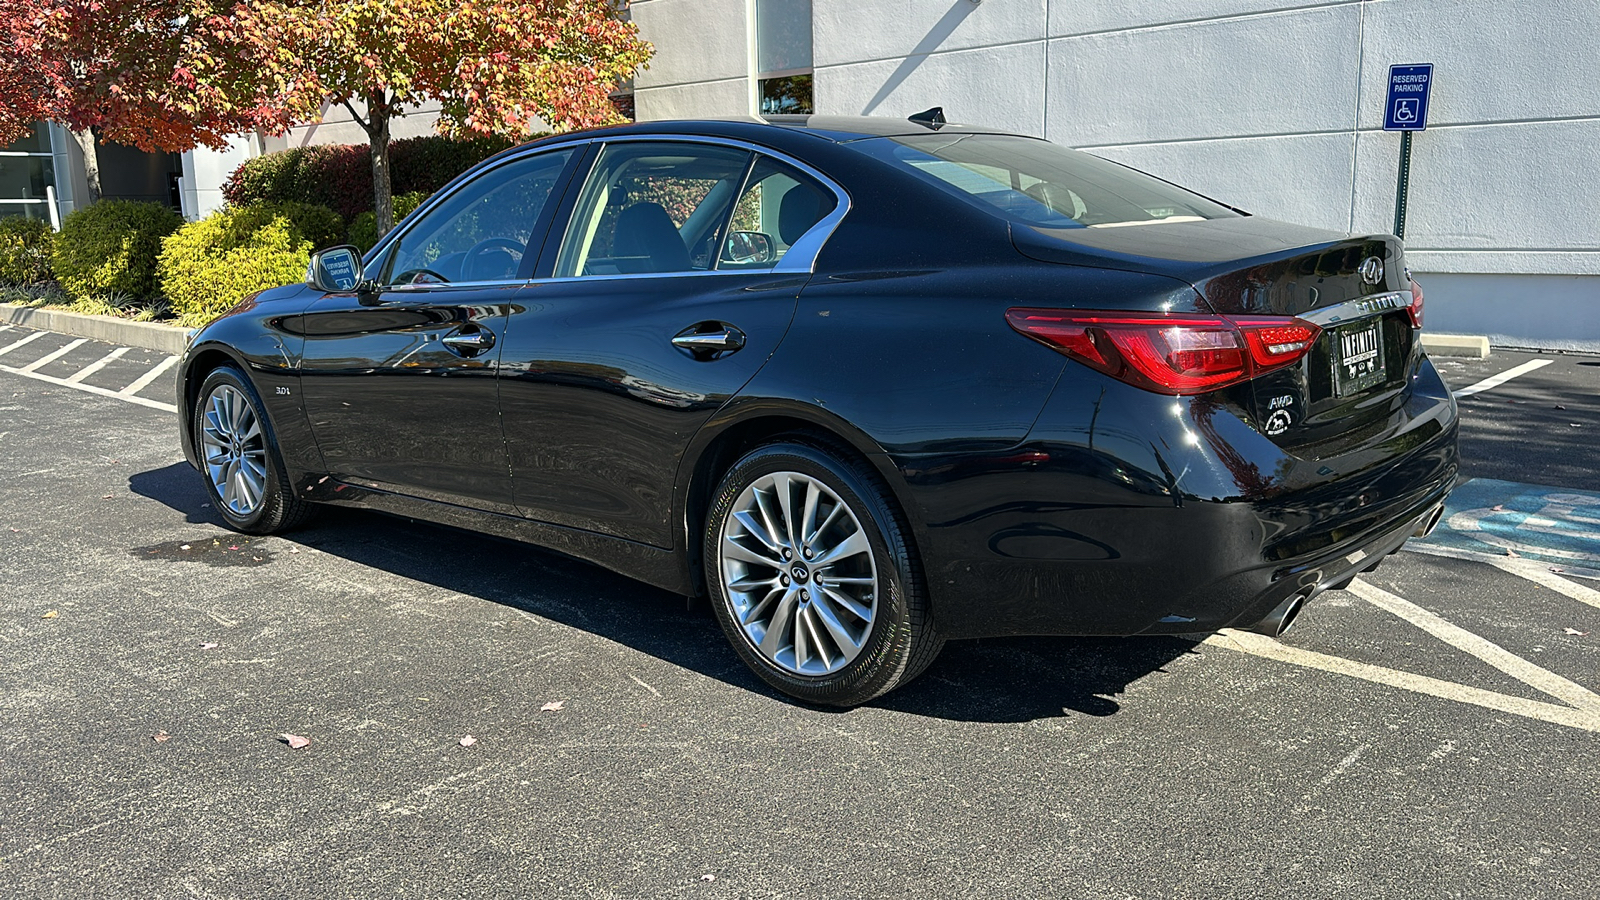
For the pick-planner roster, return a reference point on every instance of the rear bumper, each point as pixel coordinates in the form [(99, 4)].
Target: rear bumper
[(1126, 513)]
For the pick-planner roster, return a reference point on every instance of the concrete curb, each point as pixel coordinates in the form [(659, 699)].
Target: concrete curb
[(123, 332), (1473, 346)]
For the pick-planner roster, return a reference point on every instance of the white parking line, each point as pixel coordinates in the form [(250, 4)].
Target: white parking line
[(49, 358), (143, 381), (1263, 646), (91, 389), (96, 366), (1542, 680), (27, 340), (1494, 381)]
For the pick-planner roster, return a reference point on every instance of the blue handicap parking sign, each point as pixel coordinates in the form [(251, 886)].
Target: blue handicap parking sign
[(1407, 106)]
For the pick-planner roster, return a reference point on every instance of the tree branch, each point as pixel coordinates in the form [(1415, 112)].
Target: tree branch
[(354, 115)]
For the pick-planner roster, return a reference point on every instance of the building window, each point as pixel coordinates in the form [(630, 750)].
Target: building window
[(783, 57), (27, 175)]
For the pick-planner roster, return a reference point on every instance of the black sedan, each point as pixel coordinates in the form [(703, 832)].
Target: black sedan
[(868, 384)]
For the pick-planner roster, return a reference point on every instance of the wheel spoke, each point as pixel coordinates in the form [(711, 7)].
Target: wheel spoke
[(784, 487), (808, 516), (855, 607), (758, 531), (855, 544), (754, 612), (731, 549), (781, 622), (815, 645), (841, 635)]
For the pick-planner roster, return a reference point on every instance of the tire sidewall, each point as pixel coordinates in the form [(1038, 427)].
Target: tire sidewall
[(263, 519), (883, 659)]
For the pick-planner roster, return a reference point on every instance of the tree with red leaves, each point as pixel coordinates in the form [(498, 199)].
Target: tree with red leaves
[(122, 70), (493, 65)]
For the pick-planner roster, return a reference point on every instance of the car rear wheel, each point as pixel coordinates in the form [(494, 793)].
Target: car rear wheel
[(813, 578), (239, 458)]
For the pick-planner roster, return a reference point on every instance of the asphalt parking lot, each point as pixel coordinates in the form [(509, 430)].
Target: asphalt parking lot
[(1431, 732)]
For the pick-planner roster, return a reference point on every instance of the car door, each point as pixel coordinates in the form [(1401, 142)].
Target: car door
[(665, 297), (398, 379)]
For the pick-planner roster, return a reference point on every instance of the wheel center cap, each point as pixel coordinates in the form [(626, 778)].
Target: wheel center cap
[(799, 573)]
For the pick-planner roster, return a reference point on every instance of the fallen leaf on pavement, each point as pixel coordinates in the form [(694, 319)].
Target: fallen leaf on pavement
[(160, 737), (467, 741), (233, 547), (106, 497), (1576, 632), (553, 706), (50, 615), (295, 741), (208, 645)]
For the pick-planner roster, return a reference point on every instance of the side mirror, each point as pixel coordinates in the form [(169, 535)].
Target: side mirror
[(335, 270), (748, 248)]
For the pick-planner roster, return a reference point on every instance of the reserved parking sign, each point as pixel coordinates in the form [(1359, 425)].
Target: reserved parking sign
[(1407, 108)]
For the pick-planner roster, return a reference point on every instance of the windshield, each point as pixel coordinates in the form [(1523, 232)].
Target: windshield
[(1041, 183)]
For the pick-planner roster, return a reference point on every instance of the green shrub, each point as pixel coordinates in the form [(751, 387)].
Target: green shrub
[(364, 228), (24, 250), (209, 266), (110, 248), (340, 175)]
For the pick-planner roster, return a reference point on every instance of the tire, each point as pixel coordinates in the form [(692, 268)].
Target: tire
[(239, 458), (867, 629)]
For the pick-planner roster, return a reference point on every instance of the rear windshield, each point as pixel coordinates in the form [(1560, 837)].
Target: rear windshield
[(1041, 183)]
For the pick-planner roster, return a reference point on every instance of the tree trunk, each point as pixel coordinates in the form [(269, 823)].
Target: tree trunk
[(378, 136), (84, 138)]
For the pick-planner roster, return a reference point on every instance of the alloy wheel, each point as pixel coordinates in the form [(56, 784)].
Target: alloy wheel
[(800, 575), (235, 450)]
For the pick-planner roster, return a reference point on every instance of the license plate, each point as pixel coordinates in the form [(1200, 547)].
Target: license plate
[(1358, 364)]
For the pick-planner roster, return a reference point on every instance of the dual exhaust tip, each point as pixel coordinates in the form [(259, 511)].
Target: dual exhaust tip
[(1283, 615)]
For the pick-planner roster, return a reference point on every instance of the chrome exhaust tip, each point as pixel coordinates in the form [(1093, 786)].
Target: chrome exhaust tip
[(1430, 523), (1278, 621)]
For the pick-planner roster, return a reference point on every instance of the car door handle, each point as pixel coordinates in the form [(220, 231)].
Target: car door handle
[(469, 341), (727, 340)]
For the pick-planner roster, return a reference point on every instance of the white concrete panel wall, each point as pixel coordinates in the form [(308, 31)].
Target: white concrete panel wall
[(701, 66), (1007, 77), (204, 172)]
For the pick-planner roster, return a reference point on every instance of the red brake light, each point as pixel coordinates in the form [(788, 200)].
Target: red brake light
[(1171, 353), (1415, 309)]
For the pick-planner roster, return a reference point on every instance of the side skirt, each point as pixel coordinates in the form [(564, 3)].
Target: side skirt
[(654, 566)]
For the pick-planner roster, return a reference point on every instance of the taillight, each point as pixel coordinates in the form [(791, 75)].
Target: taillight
[(1415, 309), (1173, 353)]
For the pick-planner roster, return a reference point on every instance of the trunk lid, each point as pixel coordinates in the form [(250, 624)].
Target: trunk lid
[(1355, 287)]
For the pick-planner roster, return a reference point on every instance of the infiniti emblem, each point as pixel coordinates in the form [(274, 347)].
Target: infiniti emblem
[(799, 573), (1371, 270)]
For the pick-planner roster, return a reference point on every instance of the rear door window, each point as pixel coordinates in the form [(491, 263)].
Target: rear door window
[(778, 205), (650, 208)]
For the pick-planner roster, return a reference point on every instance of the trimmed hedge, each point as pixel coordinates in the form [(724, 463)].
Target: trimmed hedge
[(108, 250), (340, 175), (364, 228), (209, 266), (24, 250)]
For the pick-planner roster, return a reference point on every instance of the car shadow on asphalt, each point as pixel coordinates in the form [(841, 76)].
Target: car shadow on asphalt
[(989, 680)]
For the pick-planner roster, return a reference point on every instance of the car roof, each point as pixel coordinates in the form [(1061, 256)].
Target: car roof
[(838, 129)]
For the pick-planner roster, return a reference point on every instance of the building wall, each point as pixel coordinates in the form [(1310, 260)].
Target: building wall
[(1272, 105)]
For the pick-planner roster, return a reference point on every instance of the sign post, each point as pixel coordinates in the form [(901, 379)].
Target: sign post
[(1406, 111)]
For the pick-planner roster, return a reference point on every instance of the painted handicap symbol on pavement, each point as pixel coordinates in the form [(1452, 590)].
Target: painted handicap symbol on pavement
[(1556, 525)]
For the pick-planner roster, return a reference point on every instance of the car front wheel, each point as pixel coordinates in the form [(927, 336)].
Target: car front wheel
[(239, 457), (813, 576)]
